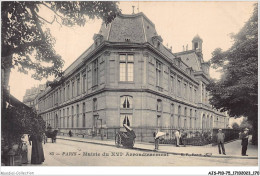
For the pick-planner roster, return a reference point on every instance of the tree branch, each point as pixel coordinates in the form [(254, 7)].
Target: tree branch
[(52, 10), (46, 20)]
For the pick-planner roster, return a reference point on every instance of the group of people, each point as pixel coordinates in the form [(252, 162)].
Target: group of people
[(180, 137), (244, 141)]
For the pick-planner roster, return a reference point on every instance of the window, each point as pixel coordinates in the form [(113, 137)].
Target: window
[(179, 88), (172, 84), (63, 118), (78, 85), (126, 102), (84, 82), (190, 118), (195, 96), (179, 116), (159, 105), (185, 90), (94, 104), (190, 94), (64, 94), (77, 116), (126, 67), (68, 92), (172, 114), (60, 95), (72, 116), (68, 117), (158, 73), (72, 89), (83, 114), (95, 73), (126, 119)]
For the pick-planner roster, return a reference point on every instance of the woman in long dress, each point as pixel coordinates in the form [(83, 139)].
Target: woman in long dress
[(37, 156)]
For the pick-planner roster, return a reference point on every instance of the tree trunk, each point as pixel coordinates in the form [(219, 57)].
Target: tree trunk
[(255, 132)]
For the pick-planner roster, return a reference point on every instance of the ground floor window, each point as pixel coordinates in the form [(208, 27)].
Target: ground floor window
[(126, 119)]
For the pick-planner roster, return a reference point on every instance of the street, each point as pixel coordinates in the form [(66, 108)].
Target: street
[(70, 153)]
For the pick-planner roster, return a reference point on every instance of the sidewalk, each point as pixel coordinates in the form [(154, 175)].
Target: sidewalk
[(233, 149)]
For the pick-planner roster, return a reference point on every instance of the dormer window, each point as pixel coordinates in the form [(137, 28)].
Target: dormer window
[(98, 38)]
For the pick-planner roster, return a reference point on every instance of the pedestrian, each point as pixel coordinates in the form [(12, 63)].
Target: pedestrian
[(70, 133), (244, 142), (35, 139), (177, 138), (24, 152), (183, 138), (156, 141), (220, 141)]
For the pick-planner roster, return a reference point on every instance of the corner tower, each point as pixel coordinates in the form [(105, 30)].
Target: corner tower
[(197, 43)]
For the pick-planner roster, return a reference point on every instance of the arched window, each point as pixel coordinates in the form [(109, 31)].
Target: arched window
[(126, 102)]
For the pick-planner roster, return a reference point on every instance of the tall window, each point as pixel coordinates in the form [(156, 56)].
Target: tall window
[(68, 117), (77, 116), (159, 105), (185, 90), (72, 89), (179, 88), (84, 82), (78, 85), (83, 115), (63, 118), (95, 73), (72, 116), (172, 114), (195, 96), (126, 67), (126, 102), (190, 94), (94, 104), (179, 116), (64, 94), (195, 121), (126, 119), (172, 84), (60, 95), (190, 118), (158, 73), (68, 92)]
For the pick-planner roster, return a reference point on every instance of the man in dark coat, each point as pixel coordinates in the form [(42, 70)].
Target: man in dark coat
[(244, 142), (220, 141)]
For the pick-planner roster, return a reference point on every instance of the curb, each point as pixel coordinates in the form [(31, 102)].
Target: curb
[(209, 155)]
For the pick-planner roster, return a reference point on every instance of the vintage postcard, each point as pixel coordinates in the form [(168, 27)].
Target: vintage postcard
[(129, 83)]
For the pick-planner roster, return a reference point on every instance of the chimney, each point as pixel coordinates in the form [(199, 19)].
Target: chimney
[(183, 47), (171, 48), (133, 9), (187, 47)]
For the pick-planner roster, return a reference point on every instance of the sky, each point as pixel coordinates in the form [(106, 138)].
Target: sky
[(176, 22)]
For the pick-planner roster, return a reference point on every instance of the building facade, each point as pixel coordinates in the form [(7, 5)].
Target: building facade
[(128, 76), (31, 96)]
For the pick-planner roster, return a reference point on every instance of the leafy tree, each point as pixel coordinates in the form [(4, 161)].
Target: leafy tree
[(236, 91), (26, 39)]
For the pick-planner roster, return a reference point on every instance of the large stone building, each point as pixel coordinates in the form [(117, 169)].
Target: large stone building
[(128, 76), (31, 96)]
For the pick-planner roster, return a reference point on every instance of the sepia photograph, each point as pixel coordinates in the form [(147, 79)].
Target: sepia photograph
[(129, 83)]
